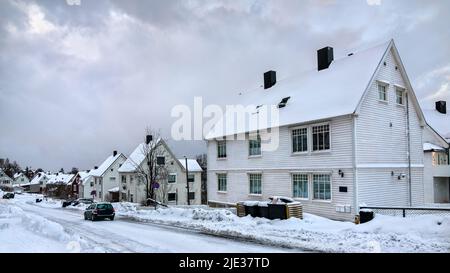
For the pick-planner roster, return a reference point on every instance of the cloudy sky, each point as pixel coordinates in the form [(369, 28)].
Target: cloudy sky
[(79, 81)]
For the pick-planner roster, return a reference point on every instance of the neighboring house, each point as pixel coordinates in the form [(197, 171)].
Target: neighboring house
[(58, 185), (5, 180), (436, 155), (172, 188), (38, 183), (106, 178), (20, 178), (343, 139), (86, 184)]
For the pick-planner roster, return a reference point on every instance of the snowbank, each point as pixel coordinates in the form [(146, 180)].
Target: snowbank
[(383, 234)]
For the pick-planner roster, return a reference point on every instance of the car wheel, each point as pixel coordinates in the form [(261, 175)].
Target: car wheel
[(112, 218), (92, 218), (85, 217)]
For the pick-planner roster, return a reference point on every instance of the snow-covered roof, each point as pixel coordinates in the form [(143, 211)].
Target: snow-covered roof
[(60, 178), (431, 147), (314, 95), (193, 165), (105, 165), (37, 178), (439, 122), (134, 160), (17, 175), (116, 189)]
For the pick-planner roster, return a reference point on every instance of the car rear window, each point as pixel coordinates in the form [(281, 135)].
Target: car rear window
[(104, 206)]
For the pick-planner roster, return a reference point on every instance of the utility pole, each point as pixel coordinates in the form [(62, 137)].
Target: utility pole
[(187, 180)]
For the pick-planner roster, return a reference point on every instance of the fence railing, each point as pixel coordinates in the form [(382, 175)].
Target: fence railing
[(409, 211)]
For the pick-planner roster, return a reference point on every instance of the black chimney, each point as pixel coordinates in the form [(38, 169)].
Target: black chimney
[(270, 79), (441, 107), (95, 168), (148, 139), (114, 153), (324, 58)]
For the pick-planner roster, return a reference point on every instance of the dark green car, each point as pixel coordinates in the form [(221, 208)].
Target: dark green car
[(99, 211)]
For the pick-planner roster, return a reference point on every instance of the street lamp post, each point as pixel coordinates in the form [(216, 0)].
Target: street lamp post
[(187, 180)]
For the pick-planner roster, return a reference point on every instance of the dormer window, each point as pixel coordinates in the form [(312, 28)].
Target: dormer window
[(382, 92)]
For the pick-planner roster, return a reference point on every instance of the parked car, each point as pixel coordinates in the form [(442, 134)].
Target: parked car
[(86, 201), (8, 195), (99, 211), (67, 203)]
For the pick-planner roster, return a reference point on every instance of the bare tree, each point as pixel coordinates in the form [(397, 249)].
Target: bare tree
[(149, 172)]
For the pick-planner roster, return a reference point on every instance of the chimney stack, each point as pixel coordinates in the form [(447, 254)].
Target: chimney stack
[(270, 79), (148, 139), (441, 107), (324, 58), (114, 153), (96, 167)]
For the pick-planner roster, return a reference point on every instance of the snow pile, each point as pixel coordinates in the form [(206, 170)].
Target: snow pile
[(24, 232), (383, 234)]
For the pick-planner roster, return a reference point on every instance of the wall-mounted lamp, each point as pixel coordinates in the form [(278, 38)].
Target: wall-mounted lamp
[(341, 173), (401, 176)]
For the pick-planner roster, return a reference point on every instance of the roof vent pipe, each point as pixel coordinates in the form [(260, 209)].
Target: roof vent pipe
[(324, 58), (441, 107), (114, 153)]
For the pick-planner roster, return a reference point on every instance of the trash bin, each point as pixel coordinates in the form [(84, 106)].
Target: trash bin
[(365, 216), (277, 211), (252, 210), (263, 210)]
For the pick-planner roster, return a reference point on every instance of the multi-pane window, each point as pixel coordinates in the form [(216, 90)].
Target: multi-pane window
[(191, 177), (322, 186), (255, 183), (191, 195), (222, 182), (439, 158), (382, 92), (300, 185), (254, 146), (300, 140), (321, 137), (171, 197), (221, 149), (124, 179), (399, 94), (172, 178)]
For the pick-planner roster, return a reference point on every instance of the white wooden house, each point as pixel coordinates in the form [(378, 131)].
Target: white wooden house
[(86, 184), (106, 177), (5, 180), (20, 179), (350, 133), (172, 187), (436, 155)]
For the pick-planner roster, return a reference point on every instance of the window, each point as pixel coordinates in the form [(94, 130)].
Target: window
[(100, 194), (222, 182), (92, 184), (399, 94), (191, 195), (172, 178), (382, 92), (131, 198), (255, 183), (439, 158), (124, 196), (112, 170), (300, 185), (112, 178), (131, 179), (322, 186), (191, 177), (321, 137), (171, 197), (254, 146), (221, 149), (124, 179), (300, 140), (160, 160)]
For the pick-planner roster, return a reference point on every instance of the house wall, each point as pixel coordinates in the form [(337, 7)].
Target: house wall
[(109, 179), (381, 141), (277, 167), (441, 190), (22, 179)]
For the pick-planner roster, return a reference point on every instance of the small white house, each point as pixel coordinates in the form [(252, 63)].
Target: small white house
[(436, 155), (20, 179), (5, 180), (349, 133), (172, 188), (86, 184), (106, 177), (38, 183)]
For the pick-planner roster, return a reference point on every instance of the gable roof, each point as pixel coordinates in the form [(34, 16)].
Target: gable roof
[(193, 165), (316, 95), (60, 178), (37, 178), (106, 165), (440, 123), (137, 157)]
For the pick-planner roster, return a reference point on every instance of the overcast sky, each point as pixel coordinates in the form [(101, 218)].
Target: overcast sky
[(79, 81)]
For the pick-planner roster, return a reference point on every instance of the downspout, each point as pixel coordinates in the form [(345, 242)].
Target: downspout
[(409, 150), (355, 171)]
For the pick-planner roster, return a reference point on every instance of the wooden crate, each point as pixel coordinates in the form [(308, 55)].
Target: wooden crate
[(240, 209), (294, 210)]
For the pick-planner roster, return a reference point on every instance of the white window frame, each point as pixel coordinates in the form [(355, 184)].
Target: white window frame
[(403, 91), (307, 183), (249, 183), (311, 142), (218, 182), (386, 91), (308, 137), (217, 146), (331, 188), (176, 178)]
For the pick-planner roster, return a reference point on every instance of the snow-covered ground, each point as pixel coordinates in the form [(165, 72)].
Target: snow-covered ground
[(384, 234)]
